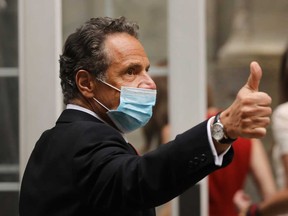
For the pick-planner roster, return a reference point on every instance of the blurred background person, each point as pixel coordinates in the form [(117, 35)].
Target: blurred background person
[(280, 126)]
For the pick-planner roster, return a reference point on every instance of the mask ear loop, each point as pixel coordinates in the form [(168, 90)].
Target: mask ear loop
[(101, 104), (109, 85)]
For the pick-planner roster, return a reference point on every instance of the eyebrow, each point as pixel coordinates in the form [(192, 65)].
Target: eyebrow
[(137, 65)]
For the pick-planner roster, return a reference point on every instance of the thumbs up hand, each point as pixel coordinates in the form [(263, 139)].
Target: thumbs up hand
[(249, 114)]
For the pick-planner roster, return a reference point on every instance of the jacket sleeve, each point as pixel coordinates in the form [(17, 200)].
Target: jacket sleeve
[(114, 177)]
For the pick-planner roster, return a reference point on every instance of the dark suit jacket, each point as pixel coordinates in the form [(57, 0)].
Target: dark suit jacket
[(84, 167)]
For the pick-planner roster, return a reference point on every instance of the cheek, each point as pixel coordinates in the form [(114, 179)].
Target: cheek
[(112, 100), (115, 101)]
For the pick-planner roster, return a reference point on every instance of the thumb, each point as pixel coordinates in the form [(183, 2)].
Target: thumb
[(255, 76)]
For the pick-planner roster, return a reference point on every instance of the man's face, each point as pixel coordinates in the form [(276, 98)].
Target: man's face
[(129, 66)]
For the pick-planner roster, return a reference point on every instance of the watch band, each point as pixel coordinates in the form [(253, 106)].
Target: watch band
[(225, 139)]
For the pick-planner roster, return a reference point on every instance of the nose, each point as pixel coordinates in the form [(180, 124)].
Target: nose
[(147, 82)]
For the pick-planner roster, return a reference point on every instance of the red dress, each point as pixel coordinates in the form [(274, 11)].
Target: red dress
[(223, 183)]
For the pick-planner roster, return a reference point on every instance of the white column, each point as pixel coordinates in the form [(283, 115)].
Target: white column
[(187, 73), (39, 48)]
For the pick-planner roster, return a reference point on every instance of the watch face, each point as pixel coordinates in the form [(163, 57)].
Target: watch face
[(217, 131)]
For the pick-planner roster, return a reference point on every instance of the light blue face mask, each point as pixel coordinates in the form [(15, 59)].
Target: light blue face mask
[(134, 110)]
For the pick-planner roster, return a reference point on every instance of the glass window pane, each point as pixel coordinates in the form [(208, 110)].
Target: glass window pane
[(8, 33), (9, 108), (9, 133)]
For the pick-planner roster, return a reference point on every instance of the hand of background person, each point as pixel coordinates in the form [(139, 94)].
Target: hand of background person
[(249, 114), (242, 201)]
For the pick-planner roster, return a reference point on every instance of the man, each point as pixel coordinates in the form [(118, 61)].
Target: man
[(85, 166)]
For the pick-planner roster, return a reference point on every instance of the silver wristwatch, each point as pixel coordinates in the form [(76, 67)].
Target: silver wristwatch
[(218, 132)]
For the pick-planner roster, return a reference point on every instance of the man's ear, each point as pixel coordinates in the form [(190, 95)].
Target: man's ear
[(85, 82)]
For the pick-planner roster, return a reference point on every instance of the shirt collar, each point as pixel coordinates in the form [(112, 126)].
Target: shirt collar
[(77, 107), (80, 108)]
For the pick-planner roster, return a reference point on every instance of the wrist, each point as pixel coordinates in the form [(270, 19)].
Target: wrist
[(225, 117), (253, 210), (218, 131)]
